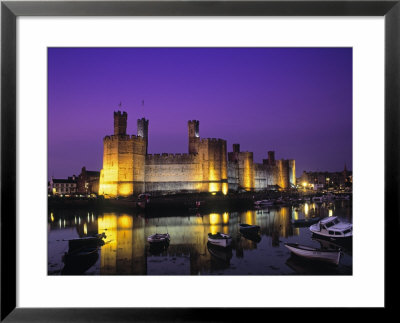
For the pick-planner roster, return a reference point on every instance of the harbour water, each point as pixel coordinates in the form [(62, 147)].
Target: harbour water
[(126, 251)]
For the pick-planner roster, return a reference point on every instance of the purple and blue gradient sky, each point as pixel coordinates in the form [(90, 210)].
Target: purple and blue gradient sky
[(296, 101)]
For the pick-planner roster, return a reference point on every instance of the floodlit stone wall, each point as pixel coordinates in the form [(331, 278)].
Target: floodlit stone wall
[(208, 167)]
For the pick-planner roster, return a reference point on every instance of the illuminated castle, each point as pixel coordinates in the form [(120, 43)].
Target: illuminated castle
[(128, 169)]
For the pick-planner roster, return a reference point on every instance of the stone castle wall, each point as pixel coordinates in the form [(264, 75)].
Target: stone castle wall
[(208, 167)]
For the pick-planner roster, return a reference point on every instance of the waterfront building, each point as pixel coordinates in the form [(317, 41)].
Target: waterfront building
[(88, 182), (326, 179), (59, 186), (207, 167)]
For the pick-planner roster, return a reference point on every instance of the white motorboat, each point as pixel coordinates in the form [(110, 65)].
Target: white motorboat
[(331, 256), (264, 203), (220, 239), (333, 228), (158, 238)]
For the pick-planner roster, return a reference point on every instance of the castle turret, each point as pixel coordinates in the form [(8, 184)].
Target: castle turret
[(120, 120), (271, 157), (143, 130), (194, 138)]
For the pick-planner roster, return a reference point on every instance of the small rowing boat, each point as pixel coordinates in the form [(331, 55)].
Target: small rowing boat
[(329, 255), (220, 239), (248, 228), (158, 238)]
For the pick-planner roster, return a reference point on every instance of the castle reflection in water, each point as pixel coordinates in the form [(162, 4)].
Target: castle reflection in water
[(126, 250)]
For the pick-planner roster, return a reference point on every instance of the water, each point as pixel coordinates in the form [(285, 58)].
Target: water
[(126, 251)]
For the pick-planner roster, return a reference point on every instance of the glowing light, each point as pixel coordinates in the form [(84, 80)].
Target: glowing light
[(125, 222), (51, 217), (304, 184), (330, 212), (249, 217), (214, 218), (224, 188), (85, 228), (213, 188), (306, 208), (225, 217)]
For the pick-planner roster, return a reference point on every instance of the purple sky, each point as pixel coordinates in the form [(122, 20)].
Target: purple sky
[(296, 101)]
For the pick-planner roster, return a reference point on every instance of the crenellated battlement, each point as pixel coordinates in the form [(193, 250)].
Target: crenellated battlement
[(171, 158), (124, 138), (119, 113), (211, 140)]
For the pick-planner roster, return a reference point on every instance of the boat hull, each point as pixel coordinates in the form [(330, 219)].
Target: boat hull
[(158, 239), (250, 229), (325, 234), (329, 256), (220, 242)]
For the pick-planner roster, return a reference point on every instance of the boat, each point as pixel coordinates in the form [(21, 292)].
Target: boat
[(317, 199), (87, 242), (325, 255), (158, 239), (222, 254), (248, 228), (78, 261), (333, 228), (252, 236), (220, 239), (264, 203), (305, 222)]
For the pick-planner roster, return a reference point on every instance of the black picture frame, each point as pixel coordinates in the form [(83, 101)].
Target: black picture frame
[(10, 10)]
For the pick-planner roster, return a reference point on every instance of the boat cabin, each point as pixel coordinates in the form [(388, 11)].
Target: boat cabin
[(334, 227)]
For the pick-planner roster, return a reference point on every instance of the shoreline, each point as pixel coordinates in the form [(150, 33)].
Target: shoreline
[(178, 203)]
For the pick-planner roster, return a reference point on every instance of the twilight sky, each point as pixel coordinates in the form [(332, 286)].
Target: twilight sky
[(296, 101)]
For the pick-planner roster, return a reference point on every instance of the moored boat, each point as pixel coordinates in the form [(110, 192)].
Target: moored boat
[(158, 238), (317, 199), (223, 254), (248, 228), (330, 256), (87, 242), (305, 222), (264, 203), (220, 239), (333, 228)]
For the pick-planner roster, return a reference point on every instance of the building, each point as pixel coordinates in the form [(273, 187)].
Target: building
[(326, 179), (88, 182), (207, 167), (63, 186)]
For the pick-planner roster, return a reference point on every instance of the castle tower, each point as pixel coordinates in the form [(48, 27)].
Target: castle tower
[(120, 120), (123, 161), (143, 130), (271, 157), (194, 138)]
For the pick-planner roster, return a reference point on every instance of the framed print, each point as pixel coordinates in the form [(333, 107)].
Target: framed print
[(172, 155)]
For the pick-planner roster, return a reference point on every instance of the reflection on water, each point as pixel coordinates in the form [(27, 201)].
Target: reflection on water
[(126, 251)]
